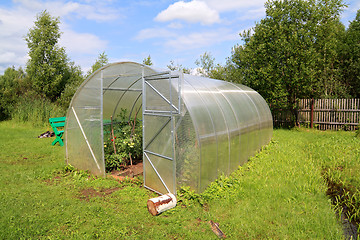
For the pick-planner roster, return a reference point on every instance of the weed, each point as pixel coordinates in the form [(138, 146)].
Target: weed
[(36, 110)]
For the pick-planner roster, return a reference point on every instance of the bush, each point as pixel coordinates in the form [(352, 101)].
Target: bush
[(127, 140)]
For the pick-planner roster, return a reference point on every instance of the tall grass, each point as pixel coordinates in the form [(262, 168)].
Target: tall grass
[(35, 110)]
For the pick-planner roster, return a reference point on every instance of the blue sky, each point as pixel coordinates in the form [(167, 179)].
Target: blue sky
[(133, 29)]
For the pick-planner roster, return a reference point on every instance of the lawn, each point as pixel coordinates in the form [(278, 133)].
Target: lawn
[(279, 194)]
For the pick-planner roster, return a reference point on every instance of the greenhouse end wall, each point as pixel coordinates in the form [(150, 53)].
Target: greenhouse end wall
[(194, 128)]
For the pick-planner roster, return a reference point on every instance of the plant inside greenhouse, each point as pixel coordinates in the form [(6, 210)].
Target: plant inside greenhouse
[(123, 142)]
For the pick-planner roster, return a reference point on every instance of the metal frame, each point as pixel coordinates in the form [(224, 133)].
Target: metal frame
[(170, 115)]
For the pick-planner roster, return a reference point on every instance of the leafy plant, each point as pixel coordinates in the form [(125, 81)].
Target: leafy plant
[(123, 144)]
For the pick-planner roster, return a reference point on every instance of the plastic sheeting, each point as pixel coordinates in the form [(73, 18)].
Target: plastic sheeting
[(194, 128)]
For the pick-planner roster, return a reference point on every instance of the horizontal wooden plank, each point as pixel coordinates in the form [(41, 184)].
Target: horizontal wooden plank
[(331, 114)]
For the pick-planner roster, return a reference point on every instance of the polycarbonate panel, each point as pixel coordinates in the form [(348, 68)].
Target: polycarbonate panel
[(252, 120), (164, 169), (157, 137), (187, 153), (216, 108), (84, 137), (236, 117), (157, 101), (162, 94), (205, 131)]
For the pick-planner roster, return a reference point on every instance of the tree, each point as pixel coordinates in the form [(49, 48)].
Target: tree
[(329, 34), (75, 79), (351, 57), (205, 63), (101, 61), (147, 61), (47, 67), (287, 55), (178, 67), (12, 85)]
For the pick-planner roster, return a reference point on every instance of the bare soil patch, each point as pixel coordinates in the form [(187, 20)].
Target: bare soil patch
[(130, 171), (88, 193)]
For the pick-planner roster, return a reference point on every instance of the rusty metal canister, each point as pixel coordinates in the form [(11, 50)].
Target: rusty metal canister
[(160, 204)]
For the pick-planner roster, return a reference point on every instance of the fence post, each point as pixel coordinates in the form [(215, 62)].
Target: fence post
[(312, 113)]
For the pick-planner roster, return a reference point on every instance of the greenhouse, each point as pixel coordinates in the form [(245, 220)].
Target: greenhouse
[(194, 128)]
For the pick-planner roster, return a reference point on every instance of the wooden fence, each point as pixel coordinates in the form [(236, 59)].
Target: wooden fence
[(324, 114)]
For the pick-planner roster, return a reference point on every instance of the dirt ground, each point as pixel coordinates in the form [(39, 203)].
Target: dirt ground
[(129, 171)]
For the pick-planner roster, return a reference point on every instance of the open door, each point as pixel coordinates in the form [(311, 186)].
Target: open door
[(161, 103)]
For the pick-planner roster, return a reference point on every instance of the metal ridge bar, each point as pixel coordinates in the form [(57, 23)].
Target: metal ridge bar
[(157, 74), (159, 155), (156, 114), (122, 89), (162, 78)]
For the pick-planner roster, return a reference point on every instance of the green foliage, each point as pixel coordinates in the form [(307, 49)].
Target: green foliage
[(357, 132), (147, 61), (187, 197), (127, 140), (47, 67), (205, 63), (73, 84), (101, 61), (35, 109), (12, 85), (292, 53), (351, 56), (178, 67)]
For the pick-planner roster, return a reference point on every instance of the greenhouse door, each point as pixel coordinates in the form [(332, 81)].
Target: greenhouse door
[(161, 103)]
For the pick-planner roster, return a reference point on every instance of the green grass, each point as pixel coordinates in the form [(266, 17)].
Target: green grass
[(38, 200), (279, 194)]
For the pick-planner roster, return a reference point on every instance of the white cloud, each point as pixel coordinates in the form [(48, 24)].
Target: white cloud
[(13, 28), (194, 11), (96, 11), (232, 5), (10, 58), (175, 25), (200, 39), (76, 43)]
